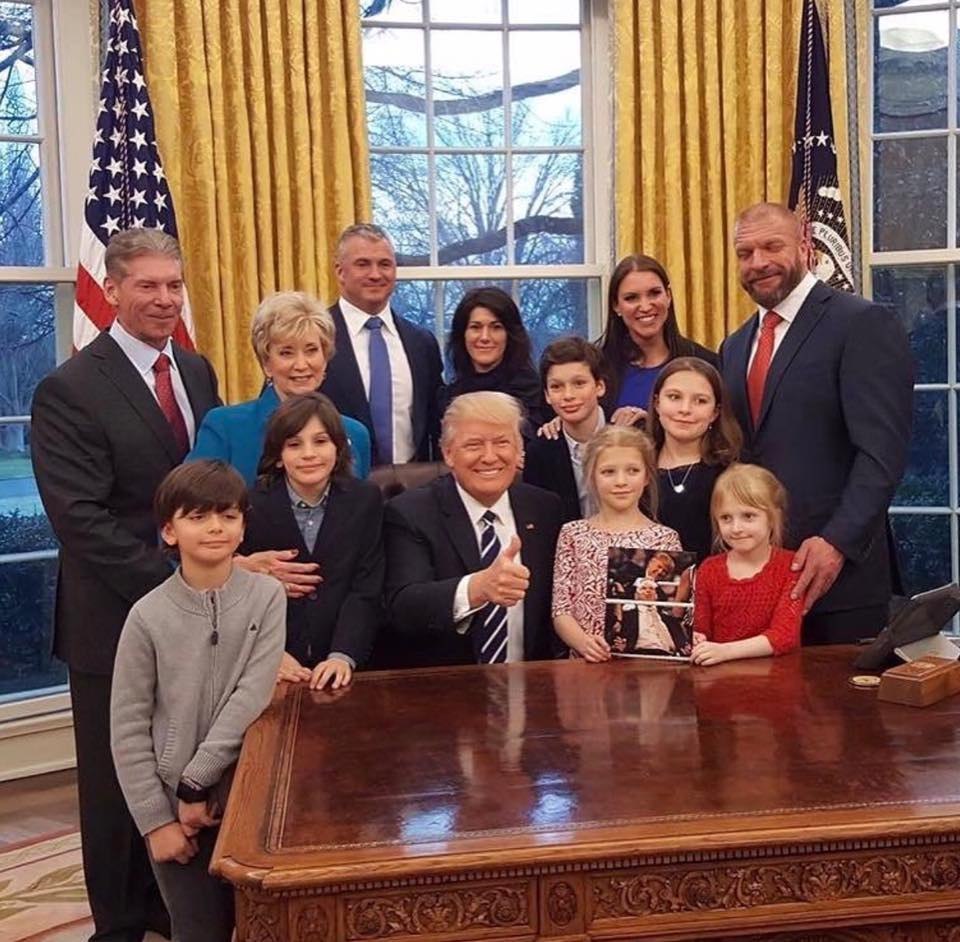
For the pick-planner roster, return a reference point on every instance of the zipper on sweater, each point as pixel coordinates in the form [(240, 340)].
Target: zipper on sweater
[(214, 641)]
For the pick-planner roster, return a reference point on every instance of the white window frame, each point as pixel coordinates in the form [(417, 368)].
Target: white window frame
[(948, 257), (36, 732), (596, 148)]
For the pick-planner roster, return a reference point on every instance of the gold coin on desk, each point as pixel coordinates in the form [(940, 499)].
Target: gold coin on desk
[(865, 681)]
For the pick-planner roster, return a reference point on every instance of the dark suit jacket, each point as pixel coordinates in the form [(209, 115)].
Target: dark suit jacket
[(344, 384), (100, 447), (548, 465), (346, 612), (834, 427), (431, 545)]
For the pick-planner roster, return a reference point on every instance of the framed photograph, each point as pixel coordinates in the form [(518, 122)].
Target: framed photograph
[(649, 603)]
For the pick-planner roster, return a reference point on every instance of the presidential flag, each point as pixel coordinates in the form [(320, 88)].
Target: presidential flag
[(814, 184), (127, 186)]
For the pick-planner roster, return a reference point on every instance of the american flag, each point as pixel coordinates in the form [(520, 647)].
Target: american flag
[(128, 188)]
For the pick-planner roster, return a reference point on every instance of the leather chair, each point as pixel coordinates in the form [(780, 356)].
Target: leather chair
[(394, 479)]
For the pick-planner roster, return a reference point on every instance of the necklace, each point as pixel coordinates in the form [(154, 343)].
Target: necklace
[(681, 487)]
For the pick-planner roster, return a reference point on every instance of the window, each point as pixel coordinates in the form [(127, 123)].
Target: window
[(36, 298), (915, 260), (481, 155)]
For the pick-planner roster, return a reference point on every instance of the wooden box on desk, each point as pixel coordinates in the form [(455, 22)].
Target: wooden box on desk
[(921, 682)]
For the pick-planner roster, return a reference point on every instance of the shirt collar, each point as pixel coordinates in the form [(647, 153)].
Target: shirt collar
[(356, 319), (572, 443), (475, 510), (297, 501), (790, 306), (140, 354)]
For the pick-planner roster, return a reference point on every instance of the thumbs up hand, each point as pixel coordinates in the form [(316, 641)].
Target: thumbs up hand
[(503, 582)]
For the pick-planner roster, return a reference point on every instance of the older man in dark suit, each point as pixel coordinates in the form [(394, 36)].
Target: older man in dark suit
[(470, 556), (107, 426), (822, 384), (387, 371)]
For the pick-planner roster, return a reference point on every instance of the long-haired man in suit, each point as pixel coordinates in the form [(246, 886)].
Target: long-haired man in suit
[(821, 382), (387, 371), (470, 555), (107, 425)]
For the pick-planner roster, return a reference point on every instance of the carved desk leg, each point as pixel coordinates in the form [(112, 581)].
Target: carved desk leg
[(260, 918)]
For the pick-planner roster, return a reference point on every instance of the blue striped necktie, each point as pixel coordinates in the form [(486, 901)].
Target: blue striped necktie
[(381, 393), (490, 623)]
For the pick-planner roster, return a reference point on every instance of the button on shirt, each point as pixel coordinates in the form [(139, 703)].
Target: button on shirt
[(505, 526), (587, 504), (788, 309), (309, 517), (404, 447), (143, 356)]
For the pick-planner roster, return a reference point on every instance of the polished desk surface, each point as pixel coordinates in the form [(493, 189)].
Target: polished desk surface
[(429, 770)]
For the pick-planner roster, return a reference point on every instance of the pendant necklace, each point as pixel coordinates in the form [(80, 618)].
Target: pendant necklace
[(681, 487)]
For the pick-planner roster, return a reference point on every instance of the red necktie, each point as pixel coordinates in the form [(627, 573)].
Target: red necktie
[(757, 377), (168, 403)]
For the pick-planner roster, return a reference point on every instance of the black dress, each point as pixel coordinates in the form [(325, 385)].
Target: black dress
[(523, 384), (688, 510)]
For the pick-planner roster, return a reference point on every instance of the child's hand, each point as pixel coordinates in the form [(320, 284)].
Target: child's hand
[(706, 653), (550, 430), (698, 638), (594, 649), (335, 670), (299, 579), (291, 670), (196, 815), (169, 842)]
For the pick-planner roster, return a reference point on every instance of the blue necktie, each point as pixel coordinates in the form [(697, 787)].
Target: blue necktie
[(490, 623), (381, 393)]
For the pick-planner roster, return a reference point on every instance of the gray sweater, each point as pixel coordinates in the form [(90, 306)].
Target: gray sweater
[(193, 671)]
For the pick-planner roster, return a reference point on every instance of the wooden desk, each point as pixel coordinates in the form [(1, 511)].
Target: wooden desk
[(566, 801)]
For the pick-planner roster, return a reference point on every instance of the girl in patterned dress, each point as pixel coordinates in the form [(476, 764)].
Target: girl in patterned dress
[(621, 472)]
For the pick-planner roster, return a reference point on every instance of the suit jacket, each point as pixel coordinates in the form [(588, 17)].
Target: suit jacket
[(834, 427), (548, 465), (431, 545), (100, 448), (345, 612), (235, 434), (344, 385)]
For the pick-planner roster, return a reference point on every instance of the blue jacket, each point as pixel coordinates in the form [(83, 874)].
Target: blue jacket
[(235, 434)]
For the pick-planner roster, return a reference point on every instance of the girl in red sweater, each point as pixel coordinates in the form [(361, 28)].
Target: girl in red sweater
[(742, 604)]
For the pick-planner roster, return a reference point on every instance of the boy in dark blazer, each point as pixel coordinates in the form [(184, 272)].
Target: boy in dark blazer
[(571, 373)]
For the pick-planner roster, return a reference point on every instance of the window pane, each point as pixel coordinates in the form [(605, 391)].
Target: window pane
[(18, 83), (910, 186), (910, 71), (553, 307), (919, 296), (926, 482), (23, 525), (457, 11), (545, 88), (400, 11), (923, 550), (544, 11), (401, 203), (417, 301), (393, 75), (467, 75), (548, 208), (21, 216), (470, 209), (27, 342)]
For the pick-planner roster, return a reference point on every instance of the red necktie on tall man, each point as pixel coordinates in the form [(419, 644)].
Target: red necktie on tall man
[(757, 375)]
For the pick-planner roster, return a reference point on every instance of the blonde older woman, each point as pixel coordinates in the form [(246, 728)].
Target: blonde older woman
[(293, 338)]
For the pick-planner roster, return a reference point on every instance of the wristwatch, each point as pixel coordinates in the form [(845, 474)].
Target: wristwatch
[(190, 793)]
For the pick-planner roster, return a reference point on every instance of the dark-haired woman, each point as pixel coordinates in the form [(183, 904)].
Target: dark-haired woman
[(306, 497), (640, 337), (490, 350), (696, 437)]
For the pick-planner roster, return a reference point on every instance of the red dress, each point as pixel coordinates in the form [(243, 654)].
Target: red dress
[(728, 609)]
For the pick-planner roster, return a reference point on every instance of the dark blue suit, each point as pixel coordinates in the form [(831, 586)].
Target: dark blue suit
[(834, 427), (344, 385)]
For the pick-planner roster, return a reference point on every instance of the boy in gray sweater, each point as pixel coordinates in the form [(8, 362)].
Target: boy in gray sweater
[(196, 665)]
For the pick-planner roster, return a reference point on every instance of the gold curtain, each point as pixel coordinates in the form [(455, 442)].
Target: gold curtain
[(705, 98), (260, 121)]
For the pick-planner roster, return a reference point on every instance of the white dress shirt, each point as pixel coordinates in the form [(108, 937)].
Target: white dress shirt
[(401, 379), (143, 356), (505, 527), (788, 309), (587, 504)]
